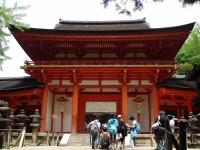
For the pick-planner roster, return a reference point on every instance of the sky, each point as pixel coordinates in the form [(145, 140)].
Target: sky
[(46, 13)]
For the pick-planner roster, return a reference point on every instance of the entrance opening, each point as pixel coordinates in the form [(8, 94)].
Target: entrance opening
[(103, 117), (100, 110)]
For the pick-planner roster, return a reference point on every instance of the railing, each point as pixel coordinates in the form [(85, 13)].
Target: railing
[(101, 62)]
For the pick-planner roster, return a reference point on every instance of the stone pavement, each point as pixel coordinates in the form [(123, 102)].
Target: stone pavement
[(76, 148)]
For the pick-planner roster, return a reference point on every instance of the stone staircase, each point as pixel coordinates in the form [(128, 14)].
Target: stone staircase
[(142, 140), (79, 140)]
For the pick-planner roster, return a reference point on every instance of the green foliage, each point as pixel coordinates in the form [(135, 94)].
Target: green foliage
[(9, 16), (184, 69), (189, 54)]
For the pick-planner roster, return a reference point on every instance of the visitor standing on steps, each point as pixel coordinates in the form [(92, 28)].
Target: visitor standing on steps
[(94, 127)]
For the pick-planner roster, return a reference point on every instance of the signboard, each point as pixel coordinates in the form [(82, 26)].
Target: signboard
[(107, 107)]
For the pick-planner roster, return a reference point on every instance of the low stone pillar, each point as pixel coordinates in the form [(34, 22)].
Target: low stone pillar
[(182, 133), (5, 124)]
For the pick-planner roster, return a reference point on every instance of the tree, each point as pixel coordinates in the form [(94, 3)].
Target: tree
[(127, 6), (9, 16), (189, 54)]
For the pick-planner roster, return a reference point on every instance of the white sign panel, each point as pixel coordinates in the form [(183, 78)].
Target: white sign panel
[(101, 107)]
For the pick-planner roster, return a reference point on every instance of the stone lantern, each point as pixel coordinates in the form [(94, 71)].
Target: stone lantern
[(21, 120), (35, 124), (5, 122)]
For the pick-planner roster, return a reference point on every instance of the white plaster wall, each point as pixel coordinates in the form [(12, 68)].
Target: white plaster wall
[(144, 116), (101, 107), (110, 82), (54, 82), (91, 90), (66, 115), (134, 82), (66, 82), (49, 111), (89, 82)]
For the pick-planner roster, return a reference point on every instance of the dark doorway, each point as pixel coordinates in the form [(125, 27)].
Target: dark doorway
[(102, 116)]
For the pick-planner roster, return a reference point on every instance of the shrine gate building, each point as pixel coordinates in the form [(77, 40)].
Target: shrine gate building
[(98, 68)]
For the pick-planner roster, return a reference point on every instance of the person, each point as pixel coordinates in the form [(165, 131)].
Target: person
[(172, 127), (94, 127), (159, 127), (163, 134), (133, 132), (171, 122), (122, 130), (104, 137), (112, 127)]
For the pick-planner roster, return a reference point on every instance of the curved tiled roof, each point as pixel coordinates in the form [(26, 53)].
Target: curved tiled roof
[(12, 84), (178, 83)]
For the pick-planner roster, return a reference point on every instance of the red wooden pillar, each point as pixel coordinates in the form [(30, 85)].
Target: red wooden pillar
[(44, 109), (189, 105), (125, 102), (156, 102), (75, 109)]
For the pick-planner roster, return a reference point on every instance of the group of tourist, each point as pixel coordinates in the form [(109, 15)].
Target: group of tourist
[(112, 134)]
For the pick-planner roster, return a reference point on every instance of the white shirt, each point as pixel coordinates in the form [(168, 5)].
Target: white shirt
[(172, 124), (134, 122)]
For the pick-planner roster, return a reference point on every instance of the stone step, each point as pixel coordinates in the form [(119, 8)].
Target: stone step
[(79, 140), (143, 140)]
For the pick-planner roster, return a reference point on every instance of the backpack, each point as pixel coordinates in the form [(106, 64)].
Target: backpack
[(112, 125), (105, 141), (122, 126), (93, 126), (138, 128)]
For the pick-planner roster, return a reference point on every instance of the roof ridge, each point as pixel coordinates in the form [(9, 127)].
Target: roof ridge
[(61, 21)]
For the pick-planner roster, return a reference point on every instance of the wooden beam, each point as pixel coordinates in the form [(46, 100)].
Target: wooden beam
[(172, 101)]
